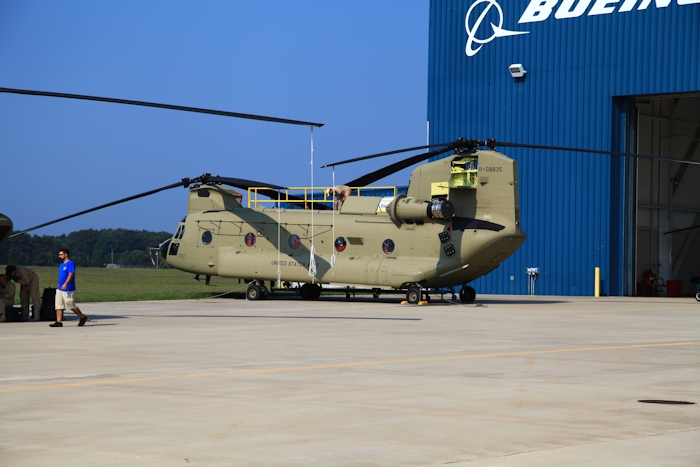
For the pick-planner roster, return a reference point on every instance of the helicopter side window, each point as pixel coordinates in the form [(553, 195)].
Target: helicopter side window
[(294, 242), (340, 244), (388, 246), (250, 239), (207, 237)]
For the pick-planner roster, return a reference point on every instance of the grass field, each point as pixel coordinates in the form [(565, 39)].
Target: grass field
[(118, 285)]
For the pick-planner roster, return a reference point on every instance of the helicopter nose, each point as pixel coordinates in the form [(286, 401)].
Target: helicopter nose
[(163, 248)]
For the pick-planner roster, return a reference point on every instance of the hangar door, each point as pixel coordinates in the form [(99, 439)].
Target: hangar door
[(666, 244)]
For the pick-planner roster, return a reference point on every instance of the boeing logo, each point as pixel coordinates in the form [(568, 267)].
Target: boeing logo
[(540, 10), (498, 31)]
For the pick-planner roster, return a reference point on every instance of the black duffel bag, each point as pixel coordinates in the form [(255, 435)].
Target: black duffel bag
[(13, 314), (48, 303)]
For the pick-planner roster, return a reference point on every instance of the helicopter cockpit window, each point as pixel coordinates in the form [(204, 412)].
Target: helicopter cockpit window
[(250, 239), (388, 246), (173, 249), (340, 244), (182, 232), (294, 241), (206, 237), (177, 232)]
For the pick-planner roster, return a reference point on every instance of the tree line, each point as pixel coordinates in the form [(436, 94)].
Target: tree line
[(88, 248)]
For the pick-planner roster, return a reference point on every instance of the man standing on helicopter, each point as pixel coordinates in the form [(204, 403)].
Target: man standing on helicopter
[(342, 192)]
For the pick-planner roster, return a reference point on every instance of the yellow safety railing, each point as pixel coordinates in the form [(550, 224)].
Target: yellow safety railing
[(305, 195)]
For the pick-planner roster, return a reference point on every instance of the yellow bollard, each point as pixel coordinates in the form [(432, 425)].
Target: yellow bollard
[(597, 282)]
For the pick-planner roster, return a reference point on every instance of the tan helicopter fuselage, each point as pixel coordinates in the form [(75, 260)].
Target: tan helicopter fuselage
[(481, 187)]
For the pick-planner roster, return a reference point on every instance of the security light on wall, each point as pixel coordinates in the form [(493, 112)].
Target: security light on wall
[(517, 70)]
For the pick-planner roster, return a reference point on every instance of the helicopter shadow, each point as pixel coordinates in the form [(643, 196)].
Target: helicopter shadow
[(510, 301), (357, 318), (436, 300), (94, 320), (268, 226)]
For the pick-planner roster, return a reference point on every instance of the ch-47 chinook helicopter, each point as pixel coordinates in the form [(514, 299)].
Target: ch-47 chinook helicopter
[(459, 220)]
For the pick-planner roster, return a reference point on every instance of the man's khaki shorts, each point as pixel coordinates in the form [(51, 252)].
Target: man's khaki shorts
[(65, 300)]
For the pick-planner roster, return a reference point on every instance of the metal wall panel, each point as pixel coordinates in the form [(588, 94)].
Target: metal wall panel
[(571, 203)]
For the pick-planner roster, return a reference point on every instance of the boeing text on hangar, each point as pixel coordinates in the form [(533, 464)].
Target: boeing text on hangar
[(540, 10)]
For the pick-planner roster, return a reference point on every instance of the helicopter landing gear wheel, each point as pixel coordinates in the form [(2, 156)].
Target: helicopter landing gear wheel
[(310, 291), (413, 295), (253, 292), (697, 296), (467, 294), (264, 292)]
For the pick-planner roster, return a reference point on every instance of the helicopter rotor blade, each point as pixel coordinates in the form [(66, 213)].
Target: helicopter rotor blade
[(682, 230), (390, 169), (393, 168), (185, 182), (241, 183), (492, 144), (160, 106), (381, 154), (461, 144), (265, 189)]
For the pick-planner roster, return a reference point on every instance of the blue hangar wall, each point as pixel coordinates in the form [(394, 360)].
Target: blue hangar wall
[(582, 57)]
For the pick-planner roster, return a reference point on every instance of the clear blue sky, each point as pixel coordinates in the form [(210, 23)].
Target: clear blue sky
[(360, 67)]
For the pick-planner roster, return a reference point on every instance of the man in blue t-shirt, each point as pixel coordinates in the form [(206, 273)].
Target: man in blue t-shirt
[(65, 294)]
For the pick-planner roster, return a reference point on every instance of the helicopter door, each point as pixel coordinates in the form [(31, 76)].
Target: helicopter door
[(375, 272), (236, 263), (372, 270), (383, 268)]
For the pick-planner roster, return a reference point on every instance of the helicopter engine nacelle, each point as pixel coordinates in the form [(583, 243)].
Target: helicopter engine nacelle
[(413, 210)]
